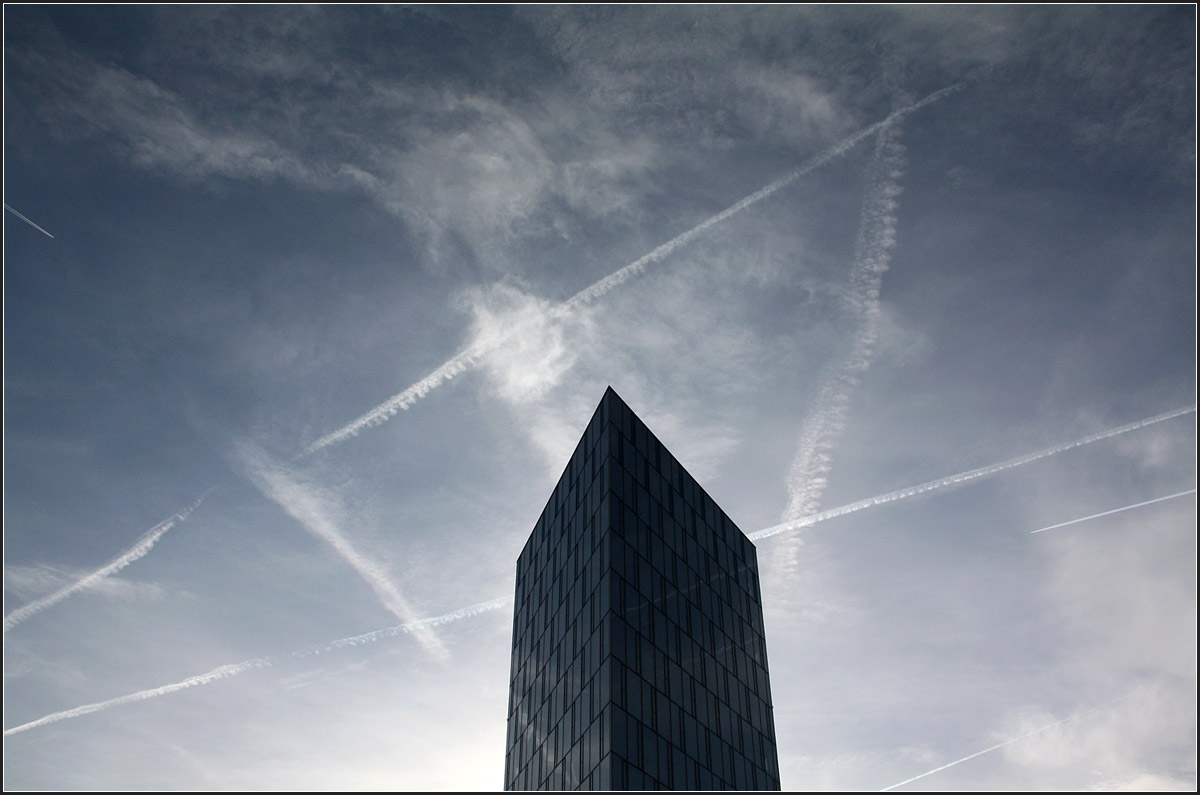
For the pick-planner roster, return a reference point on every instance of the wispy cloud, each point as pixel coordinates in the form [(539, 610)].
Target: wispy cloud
[(138, 550), (998, 746), (317, 512), (31, 223), (416, 628), (963, 477), (529, 353), (161, 130), (471, 355)]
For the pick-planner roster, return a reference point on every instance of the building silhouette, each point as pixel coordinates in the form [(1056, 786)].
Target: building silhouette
[(639, 660)]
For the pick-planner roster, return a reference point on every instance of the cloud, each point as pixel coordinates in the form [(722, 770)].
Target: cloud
[(653, 67), (954, 36), (490, 335), (1125, 597), (659, 329), (529, 350), (1153, 451), (896, 341), (1146, 782), (475, 173), (1120, 593), (1033, 725), (482, 180), (602, 180), (160, 131), (1123, 78), (469, 173), (1108, 747)]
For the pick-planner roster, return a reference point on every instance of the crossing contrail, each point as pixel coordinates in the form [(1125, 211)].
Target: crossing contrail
[(470, 356), (1114, 510), (31, 223), (1009, 742), (846, 144), (313, 510), (481, 607), (143, 545), (962, 477), (226, 671)]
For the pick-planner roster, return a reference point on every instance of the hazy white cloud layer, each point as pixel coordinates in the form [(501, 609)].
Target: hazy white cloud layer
[(367, 270)]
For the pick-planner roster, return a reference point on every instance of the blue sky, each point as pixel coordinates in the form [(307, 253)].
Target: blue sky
[(266, 233)]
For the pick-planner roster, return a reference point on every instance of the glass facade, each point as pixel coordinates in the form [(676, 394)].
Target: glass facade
[(639, 660)]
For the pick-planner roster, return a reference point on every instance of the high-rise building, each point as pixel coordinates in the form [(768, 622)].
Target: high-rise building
[(638, 658)]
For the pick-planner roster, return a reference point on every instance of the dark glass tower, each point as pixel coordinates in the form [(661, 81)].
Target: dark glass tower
[(638, 653)]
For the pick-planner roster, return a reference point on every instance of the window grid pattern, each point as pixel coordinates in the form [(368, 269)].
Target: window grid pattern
[(639, 660), (691, 704), (559, 683)]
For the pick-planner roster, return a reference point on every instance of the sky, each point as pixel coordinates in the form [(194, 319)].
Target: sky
[(305, 308)]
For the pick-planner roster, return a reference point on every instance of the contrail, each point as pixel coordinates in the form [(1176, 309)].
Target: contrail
[(469, 356), (31, 223), (1115, 510), (1010, 742), (872, 255), (460, 362), (222, 672), (311, 509), (475, 609), (407, 629), (826, 418), (226, 671), (624, 274), (412, 627), (963, 477), (143, 545)]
